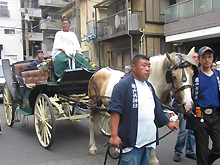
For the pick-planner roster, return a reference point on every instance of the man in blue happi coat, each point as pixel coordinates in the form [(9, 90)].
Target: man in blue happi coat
[(206, 122), (136, 114)]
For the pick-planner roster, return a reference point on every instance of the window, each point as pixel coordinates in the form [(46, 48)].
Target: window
[(9, 31), (4, 12), (86, 54)]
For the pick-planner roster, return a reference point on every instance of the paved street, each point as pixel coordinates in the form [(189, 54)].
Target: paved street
[(20, 146)]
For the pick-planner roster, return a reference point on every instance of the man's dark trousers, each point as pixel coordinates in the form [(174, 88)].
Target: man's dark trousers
[(210, 126)]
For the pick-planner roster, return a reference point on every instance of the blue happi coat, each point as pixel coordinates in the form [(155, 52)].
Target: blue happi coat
[(124, 100)]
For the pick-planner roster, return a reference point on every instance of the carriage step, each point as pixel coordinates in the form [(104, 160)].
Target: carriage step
[(25, 111)]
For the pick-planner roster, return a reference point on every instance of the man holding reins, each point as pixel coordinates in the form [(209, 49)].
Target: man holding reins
[(136, 114), (65, 44)]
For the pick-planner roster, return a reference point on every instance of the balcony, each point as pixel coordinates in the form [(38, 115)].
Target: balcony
[(90, 27), (190, 8), (34, 36), (33, 12), (5, 13), (50, 24), (52, 3), (118, 24)]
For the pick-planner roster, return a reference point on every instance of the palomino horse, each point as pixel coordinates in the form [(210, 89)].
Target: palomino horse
[(175, 68)]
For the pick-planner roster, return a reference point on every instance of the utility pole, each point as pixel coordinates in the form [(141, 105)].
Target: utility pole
[(78, 22), (26, 19)]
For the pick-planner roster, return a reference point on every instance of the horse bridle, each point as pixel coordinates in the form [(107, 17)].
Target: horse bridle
[(181, 65)]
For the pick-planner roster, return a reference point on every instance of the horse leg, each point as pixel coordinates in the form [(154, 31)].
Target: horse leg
[(93, 150), (153, 159)]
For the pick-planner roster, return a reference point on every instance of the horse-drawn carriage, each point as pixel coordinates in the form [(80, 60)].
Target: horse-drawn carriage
[(31, 92)]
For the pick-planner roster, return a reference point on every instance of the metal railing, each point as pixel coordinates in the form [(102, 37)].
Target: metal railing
[(90, 26), (5, 13), (50, 24), (190, 8), (116, 23)]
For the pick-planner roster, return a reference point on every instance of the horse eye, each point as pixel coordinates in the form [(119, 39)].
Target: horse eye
[(173, 76)]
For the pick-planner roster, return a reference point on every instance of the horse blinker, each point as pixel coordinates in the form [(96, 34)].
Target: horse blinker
[(169, 76)]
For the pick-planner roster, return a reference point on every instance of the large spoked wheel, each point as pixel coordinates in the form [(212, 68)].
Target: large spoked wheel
[(9, 106), (44, 120), (103, 123)]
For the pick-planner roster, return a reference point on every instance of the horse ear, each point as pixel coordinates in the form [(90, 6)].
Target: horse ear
[(191, 52), (170, 58)]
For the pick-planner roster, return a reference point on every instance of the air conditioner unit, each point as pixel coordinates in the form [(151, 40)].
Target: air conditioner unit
[(107, 30)]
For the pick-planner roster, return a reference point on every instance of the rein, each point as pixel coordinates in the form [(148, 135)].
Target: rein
[(121, 147)]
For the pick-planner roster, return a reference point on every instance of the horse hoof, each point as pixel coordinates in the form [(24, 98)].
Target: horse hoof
[(93, 152)]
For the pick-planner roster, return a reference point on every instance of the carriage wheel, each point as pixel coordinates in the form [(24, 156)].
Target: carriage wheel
[(9, 106), (103, 124), (44, 120)]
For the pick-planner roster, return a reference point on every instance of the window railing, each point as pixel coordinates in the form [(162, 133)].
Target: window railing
[(5, 13), (50, 24), (90, 27), (190, 8), (117, 23)]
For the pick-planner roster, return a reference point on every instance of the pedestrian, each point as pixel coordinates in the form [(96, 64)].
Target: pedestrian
[(136, 114), (65, 43), (196, 59), (206, 124), (185, 136), (39, 59)]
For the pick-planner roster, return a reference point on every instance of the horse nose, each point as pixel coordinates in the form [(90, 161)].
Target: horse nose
[(188, 106)]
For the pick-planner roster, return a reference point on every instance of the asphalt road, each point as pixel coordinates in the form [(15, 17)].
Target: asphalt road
[(20, 146)]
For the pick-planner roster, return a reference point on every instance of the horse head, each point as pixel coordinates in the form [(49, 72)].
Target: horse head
[(180, 74)]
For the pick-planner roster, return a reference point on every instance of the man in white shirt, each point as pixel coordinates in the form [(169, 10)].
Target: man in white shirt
[(136, 114), (65, 43)]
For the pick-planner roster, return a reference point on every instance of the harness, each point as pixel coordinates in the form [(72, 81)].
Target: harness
[(181, 65), (96, 94)]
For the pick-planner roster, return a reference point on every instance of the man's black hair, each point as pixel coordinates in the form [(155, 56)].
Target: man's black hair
[(39, 51), (65, 19), (138, 57)]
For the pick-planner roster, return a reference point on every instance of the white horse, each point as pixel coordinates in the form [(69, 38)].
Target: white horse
[(102, 83)]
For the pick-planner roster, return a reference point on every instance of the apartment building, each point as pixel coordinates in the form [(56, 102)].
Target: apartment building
[(130, 27), (44, 20), (193, 23), (10, 31)]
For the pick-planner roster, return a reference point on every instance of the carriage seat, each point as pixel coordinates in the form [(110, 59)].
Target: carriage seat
[(32, 77), (19, 66)]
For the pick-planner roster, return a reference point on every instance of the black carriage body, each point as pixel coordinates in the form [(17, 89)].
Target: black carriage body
[(73, 81)]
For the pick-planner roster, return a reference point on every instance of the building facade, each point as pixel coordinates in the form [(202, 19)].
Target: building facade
[(42, 22), (193, 23), (130, 27), (11, 31)]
